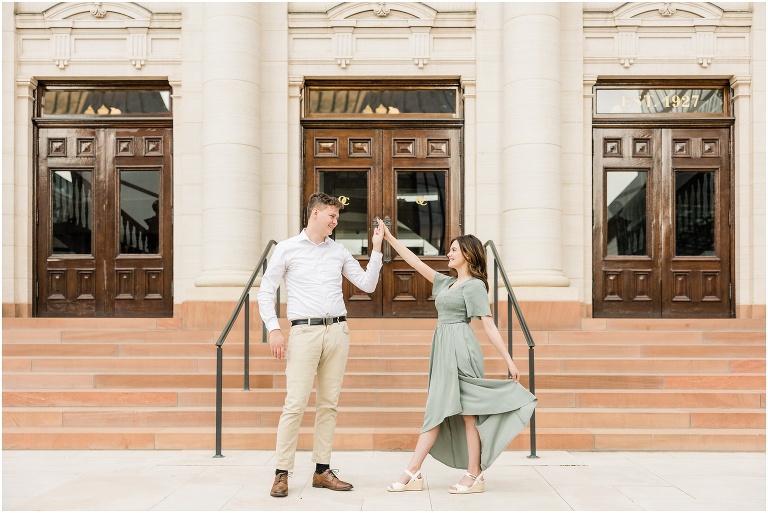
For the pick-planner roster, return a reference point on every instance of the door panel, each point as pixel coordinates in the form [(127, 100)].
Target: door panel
[(409, 176), (696, 266), (103, 246), (626, 248), (342, 163), (421, 195), (67, 274), (661, 236), (140, 249)]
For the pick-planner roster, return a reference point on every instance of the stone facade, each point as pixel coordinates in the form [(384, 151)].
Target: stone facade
[(526, 70)]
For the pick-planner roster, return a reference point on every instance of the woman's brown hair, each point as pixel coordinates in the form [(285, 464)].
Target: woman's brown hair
[(474, 254)]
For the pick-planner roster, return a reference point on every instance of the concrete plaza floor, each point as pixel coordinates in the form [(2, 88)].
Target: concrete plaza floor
[(558, 480)]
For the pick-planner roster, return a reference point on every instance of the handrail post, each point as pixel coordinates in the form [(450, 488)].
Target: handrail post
[(247, 349), (532, 386), (277, 298), (509, 325), (495, 292), (219, 387), (263, 324)]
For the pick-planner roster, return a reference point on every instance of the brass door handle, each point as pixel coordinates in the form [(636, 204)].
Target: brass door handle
[(386, 247)]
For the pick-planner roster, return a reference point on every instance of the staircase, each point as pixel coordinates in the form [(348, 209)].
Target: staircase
[(621, 384)]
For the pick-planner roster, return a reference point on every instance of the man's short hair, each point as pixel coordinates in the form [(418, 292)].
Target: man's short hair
[(321, 200)]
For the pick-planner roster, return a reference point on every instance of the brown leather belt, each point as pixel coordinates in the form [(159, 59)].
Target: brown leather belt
[(319, 320)]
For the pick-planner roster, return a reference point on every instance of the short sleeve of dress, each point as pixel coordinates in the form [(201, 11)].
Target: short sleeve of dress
[(476, 299), (441, 281)]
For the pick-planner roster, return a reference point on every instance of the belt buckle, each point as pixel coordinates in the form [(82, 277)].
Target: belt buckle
[(327, 321)]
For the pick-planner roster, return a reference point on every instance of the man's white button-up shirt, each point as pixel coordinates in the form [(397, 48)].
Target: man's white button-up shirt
[(312, 274)]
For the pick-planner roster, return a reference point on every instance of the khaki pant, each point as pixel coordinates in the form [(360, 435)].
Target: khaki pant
[(311, 350)]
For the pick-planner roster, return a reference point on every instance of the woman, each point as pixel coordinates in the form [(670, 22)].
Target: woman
[(468, 420)]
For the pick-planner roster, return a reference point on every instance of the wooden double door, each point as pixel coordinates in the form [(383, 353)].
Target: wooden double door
[(410, 177), (662, 223), (103, 222)]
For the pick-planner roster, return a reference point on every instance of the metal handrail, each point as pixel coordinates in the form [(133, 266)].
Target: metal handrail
[(513, 304), (245, 300)]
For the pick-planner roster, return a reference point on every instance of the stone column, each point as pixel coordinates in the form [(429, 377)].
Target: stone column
[(744, 180), (231, 146), (531, 204)]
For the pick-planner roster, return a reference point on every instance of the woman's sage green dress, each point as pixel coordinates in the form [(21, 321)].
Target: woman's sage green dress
[(457, 384)]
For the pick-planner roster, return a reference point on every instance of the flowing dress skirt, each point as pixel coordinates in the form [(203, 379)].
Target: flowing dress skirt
[(457, 386)]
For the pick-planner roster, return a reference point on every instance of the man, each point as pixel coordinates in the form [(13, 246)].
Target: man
[(312, 265)]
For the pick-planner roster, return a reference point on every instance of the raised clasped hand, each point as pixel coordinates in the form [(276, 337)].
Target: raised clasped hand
[(382, 228)]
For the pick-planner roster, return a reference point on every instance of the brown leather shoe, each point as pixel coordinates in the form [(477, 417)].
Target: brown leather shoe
[(329, 480), (280, 486)]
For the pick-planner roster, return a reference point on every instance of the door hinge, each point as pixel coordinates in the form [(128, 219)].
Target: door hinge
[(37, 216), (37, 289), (730, 291), (730, 220), (37, 148)]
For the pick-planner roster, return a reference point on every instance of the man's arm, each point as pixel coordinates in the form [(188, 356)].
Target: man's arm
[(365, 280), (267, 291)]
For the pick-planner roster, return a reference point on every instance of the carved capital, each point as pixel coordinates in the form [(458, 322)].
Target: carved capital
[(295, 86), (742, 86), (469, 87)]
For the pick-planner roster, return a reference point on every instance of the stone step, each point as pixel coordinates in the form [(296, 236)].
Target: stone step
[(193, 349), (106, 324), (728, 325), (274, 397), (616, 384), (406, 417), (547, 439), (180, 380), (380, 364), (394, 336)]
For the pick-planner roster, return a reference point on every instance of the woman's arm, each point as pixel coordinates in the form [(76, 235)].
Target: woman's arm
[(493, 334), (412, 260)]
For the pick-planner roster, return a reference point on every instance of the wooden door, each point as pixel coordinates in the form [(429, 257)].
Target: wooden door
[(104, 223), (696, 266), (626, 249), (69, 220), (662, 242), (422, 198), (411, 178)]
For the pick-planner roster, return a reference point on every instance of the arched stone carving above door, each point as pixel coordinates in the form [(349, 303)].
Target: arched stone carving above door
[(673, 33), (103, 32), (404, 32)]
